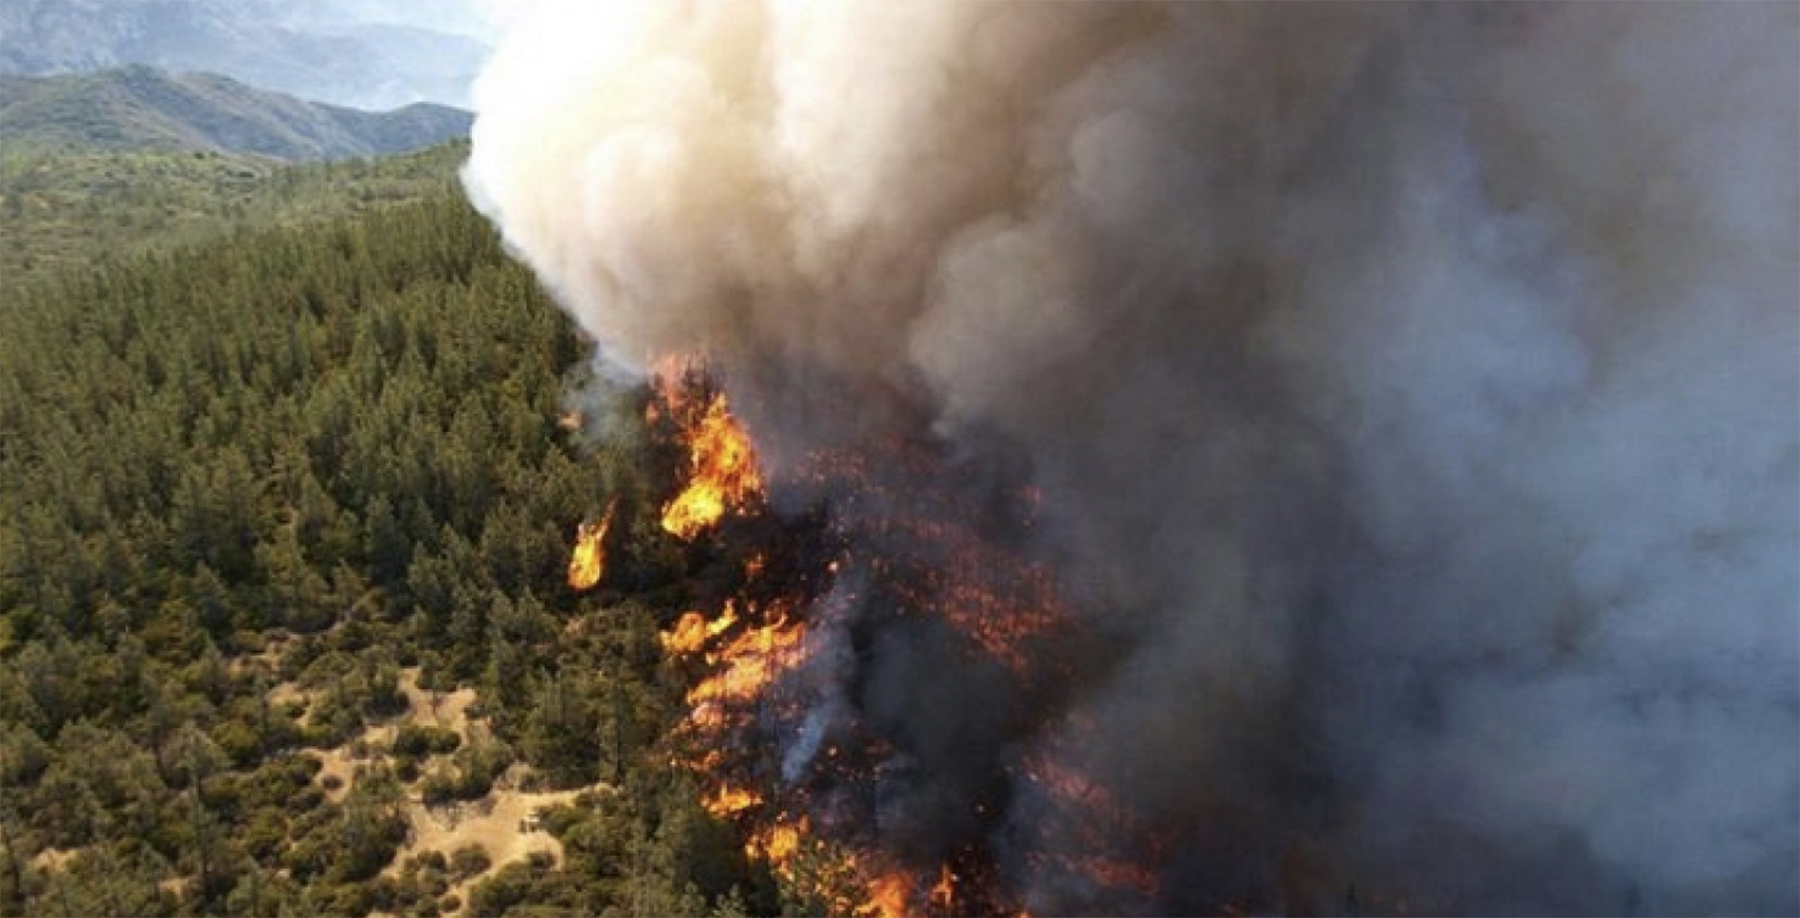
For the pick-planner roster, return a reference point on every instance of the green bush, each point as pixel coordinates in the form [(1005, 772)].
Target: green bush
[(264, 833), (239, 742), (469, 860), (419, 740)]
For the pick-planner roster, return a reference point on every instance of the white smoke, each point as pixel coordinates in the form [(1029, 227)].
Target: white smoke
[(1420, 384)]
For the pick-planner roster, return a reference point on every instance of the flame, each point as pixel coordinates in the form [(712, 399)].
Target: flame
[(944, 890), (751, 661), (693, 631), (837, 878), (729, 800), (588, 562), (741, 645), (722, 472), (887, 896), (777, 844)]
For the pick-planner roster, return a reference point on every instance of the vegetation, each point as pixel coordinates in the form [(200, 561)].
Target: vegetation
[(142, 108), (63, 210), (261, 496)]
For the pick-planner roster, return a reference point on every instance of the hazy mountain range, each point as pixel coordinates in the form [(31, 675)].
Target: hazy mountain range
[(140, 108), (371, 54)]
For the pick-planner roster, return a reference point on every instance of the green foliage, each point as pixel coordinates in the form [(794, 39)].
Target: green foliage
[(67, 208), (317, 454), (418, 741), (468, 861), (469, 775)]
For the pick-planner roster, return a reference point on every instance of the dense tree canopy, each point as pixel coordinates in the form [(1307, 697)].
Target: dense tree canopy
[(245, 489)]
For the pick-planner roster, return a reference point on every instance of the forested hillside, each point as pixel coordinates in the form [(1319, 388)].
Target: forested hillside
[(283, 527), (66, 209)]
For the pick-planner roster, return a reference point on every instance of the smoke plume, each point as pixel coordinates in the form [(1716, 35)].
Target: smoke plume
[(1413, 392)]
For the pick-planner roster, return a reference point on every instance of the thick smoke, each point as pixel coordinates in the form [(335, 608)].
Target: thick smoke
[(1414, 390)]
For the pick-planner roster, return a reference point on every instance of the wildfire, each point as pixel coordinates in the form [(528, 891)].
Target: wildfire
[(692, 633), (729, 800), (836, 879), (777, 844), (588, 562), (751, 660), (945, 889), (887, 896), (723, 477), (939, 559), (1102, 841)]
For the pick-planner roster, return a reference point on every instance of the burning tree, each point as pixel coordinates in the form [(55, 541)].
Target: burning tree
[(803, 771)]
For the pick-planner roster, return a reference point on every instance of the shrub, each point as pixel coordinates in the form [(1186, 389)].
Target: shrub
[(419, 741), (468, 861)]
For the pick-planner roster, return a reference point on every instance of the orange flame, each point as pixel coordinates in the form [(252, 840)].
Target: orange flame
[(693, 631), (887, 896), (752, 660), (723, 476), (588, 562), (730, 800), (777, 844), (747, 645), (945, 888)]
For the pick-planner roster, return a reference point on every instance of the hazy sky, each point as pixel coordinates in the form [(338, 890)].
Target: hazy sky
[(469, 18)]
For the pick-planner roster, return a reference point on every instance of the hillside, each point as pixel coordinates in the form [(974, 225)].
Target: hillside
[(339, 51), (141, 108), (63, 210), (283, 620)]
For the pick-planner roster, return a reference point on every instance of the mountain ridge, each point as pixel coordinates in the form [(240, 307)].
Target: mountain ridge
[(325, 50), (138, 107)]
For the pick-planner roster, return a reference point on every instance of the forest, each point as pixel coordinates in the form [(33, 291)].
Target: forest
[(284, 522)]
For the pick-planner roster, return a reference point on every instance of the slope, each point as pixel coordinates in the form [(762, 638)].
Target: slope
[(141, 108), (317, 457), (342, 52), (61, 211)]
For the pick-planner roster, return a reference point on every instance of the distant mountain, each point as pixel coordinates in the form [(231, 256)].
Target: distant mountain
[(360, 53), (141, 108)]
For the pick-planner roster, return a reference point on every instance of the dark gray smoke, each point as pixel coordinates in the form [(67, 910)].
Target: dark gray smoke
[(1414, 392)]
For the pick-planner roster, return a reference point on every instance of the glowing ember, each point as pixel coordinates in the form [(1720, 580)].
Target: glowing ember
[(588, 562), (722, 473)]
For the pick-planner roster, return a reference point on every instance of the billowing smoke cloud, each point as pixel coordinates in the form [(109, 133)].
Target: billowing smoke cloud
[(1414, 390)]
